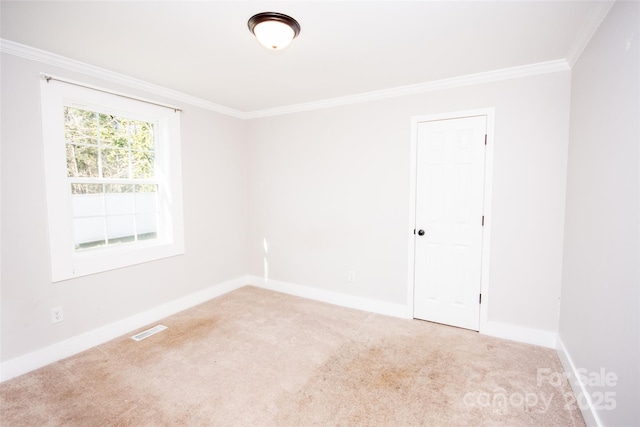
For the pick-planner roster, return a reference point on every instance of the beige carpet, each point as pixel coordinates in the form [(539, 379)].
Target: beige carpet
[(260, 358)]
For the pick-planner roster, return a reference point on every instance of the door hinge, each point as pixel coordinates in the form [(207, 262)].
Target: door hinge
[(480, 299), (485, 139), (483, 220)]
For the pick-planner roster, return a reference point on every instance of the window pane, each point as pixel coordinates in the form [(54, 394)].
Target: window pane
[(113, 131), (81, 126), (82, 161), (148, 236), (141, 134), (147, 226), (106, 129), (86, 188), (115, 163), (120, 228), (146, 188), (146, 212), (143, 164), (119, 188), (146, 200), (88, 232), (87, 205), (119, 199)]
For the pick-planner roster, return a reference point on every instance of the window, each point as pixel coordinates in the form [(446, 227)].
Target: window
[(113, 180), (111, 171)]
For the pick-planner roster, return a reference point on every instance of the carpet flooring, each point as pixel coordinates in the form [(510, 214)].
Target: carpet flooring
[(255, 357)]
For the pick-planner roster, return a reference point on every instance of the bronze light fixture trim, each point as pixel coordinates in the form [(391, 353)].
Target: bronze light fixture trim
[(274, 30)]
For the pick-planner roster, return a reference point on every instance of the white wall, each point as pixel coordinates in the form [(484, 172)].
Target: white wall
[(599, 320), (329, 192), (215, 209)]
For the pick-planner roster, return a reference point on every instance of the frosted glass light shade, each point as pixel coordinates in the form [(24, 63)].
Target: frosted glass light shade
[(274, 34), (274, 30)]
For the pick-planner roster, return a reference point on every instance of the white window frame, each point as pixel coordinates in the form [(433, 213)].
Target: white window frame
[(66, 261)]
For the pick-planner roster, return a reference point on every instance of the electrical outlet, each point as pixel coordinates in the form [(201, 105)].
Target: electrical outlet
[(351, 275), (56, 315)]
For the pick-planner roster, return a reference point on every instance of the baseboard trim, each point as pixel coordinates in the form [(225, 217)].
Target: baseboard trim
[(519, 333), (58, 351), (331, 297), (495, 329), (589, 414)]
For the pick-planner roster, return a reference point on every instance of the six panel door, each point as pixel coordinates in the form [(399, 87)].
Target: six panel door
[(449, 218)]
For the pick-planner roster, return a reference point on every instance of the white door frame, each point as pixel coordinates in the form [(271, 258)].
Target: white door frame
[(488, 179)]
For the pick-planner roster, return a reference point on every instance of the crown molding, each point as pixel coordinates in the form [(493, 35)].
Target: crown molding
[(43, 56), (454, 82), (34, 54), (588, 29)]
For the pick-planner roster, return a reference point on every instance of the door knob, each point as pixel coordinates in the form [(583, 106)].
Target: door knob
[(420, 232)]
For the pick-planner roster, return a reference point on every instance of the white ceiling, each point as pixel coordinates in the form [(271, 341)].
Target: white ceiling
[(204, 49)]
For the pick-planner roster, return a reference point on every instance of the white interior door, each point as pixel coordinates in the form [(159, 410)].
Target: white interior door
[(449, 218)]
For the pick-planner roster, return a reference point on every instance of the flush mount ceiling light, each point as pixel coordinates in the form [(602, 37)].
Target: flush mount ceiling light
[(274, 30)]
